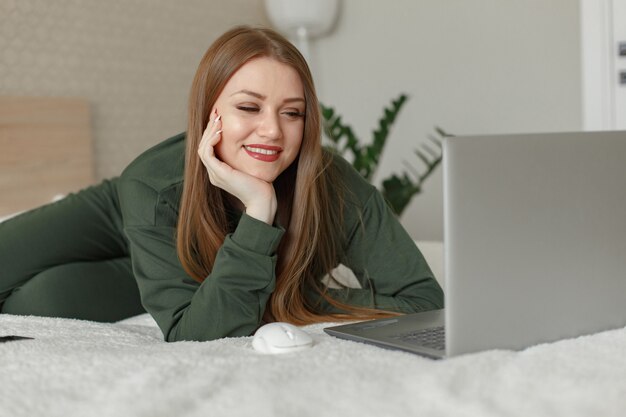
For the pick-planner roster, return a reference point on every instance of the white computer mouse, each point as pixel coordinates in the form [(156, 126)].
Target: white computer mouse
[(281, 338)]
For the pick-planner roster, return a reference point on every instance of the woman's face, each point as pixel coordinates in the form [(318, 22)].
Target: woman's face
[(262, 111)]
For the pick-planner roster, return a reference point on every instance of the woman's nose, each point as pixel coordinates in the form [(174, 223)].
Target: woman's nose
[(270, 126)]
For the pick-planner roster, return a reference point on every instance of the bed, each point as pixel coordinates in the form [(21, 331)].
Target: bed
[(80, 368)]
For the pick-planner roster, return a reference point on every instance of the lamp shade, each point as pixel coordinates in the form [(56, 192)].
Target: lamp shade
[(313, 17)]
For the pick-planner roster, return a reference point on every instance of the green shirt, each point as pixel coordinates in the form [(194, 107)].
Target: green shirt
[(231, 301)]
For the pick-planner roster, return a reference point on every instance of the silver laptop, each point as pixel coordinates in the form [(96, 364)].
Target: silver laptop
[(535, 246)]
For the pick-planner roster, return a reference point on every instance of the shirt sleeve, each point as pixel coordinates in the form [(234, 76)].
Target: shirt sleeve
[(230, 301), (393, 272)]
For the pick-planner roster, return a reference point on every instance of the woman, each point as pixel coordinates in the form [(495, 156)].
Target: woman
[(238, 232)]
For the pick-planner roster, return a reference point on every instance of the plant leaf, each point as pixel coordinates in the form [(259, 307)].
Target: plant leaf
[(398, 192), (443, 133), (422, 157)]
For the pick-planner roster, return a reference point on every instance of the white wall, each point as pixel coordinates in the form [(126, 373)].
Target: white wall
[(469, 66)]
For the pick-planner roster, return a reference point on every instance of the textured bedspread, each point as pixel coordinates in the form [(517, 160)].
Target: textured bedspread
[(80, 368)]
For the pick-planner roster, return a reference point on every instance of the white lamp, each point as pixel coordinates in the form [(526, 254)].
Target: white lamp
[(303, 19)]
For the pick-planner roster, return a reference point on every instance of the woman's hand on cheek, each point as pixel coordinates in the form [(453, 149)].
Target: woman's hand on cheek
[(257, 196)]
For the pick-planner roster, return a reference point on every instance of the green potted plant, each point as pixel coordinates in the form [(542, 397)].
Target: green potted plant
[(398, 189)]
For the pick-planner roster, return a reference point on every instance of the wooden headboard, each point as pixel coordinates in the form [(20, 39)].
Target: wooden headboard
[(45, 150)]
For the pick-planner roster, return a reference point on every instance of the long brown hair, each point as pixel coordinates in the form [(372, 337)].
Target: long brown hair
[(309, 202)]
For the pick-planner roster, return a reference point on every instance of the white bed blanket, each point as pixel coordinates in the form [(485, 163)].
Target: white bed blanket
[(80, 368)]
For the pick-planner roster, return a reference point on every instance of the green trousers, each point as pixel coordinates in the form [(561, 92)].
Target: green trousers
[(69, 259)]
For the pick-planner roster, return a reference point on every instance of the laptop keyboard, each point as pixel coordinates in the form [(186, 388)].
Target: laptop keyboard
[(433, 338)]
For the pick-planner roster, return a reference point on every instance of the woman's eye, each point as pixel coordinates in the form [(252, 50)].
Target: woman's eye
[(247, 109), (294, 114)]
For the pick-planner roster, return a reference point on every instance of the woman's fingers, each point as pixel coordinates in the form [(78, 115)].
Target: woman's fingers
[(217, 170), (211, 136), (217, 135), (257, 196)]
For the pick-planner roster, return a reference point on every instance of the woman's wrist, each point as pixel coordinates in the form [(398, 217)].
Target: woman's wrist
[(264, 212)]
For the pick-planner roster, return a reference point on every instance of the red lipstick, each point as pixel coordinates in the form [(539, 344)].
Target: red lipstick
[(265, 153)]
